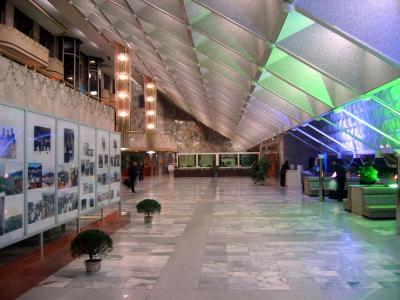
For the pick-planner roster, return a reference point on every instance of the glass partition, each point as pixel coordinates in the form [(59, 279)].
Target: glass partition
[(246, 160), (228, 160), (187, 160), (206, 160)]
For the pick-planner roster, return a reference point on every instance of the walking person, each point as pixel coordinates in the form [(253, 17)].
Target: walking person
[(284, 168), (340, 179), (132, 174)]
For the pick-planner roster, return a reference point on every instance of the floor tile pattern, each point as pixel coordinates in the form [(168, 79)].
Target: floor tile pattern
[(226, 238)]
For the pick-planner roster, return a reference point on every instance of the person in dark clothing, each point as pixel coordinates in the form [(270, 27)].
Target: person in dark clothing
[(141, 171), (284, 168), (340, 179), (132, 174)]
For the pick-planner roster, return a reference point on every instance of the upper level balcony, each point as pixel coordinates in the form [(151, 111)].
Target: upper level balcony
[(22, 48), (55, 69)]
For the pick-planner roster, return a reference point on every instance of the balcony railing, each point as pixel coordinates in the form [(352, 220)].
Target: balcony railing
[(22, 48), (55, 68)]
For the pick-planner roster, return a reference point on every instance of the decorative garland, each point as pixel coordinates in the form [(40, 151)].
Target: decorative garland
[(54, 89)]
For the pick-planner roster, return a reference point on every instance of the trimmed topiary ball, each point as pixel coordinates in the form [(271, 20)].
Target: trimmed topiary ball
[(92, 242), (148, 207)]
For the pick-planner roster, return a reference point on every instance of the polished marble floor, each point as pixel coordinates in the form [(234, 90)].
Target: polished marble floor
[(226, 238)]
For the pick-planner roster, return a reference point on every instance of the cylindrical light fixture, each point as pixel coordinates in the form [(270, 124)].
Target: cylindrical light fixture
[(122, 65), (150, 99)]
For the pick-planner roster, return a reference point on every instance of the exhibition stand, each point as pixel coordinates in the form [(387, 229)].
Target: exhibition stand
[(53, 171)]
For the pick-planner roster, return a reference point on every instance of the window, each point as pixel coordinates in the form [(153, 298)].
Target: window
[(188, 160), (113, 86), (246, 160), (46, 39), (23, 23), (228, 160), (94, 76), (206, 160), (84, 70), (107, 82), (3, 11)]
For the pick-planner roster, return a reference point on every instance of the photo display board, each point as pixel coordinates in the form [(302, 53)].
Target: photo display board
[(67, 171), (11, 174), (41, 154), (102, 168), (87, 178), (115, 167), (52, 171)]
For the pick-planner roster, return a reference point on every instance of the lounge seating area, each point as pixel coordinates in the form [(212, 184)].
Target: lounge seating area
[(311, 184), (374, 202), (371, 201)]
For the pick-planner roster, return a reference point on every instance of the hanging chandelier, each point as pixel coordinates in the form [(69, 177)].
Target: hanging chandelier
[(150, 98), (122, 102)]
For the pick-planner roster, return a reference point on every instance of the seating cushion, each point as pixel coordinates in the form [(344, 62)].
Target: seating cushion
[(381, 207)]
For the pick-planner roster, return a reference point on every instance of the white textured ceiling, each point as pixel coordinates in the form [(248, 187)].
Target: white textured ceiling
[(247, 68)]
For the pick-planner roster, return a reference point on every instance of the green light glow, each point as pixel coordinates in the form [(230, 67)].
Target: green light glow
[(286, 91), (300, 75), (368, 174), (386, 86), (294, 23), (393, 185)]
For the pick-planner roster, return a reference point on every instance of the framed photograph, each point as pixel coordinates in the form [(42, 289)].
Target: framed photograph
[(8, 143), (82, 166), (87, 137), (115, 167), (69, 142), (74, 176), (14, 181), (35, 175), (83, 204), (91, 168), (48, 204), (42, 139), (106, 160), (100, 161), (68, 169), (41, 146), (12, 173), (67, 202), (63, 178)]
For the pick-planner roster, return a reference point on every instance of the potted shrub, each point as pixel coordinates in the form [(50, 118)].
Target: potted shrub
[(148, 207), (260, 170), (94, 243)]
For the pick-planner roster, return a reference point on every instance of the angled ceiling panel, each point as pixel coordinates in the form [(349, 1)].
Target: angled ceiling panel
[(308, 79), (262, 17), (339, 58), (250, 70), (224, 56), (292, 94), (374, 23), (246, 44)]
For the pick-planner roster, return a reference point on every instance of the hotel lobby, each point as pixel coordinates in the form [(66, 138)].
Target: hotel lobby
[(199, 149)]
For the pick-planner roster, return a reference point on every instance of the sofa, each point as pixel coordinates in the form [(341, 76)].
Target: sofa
[(374, 202), (311, 184)]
